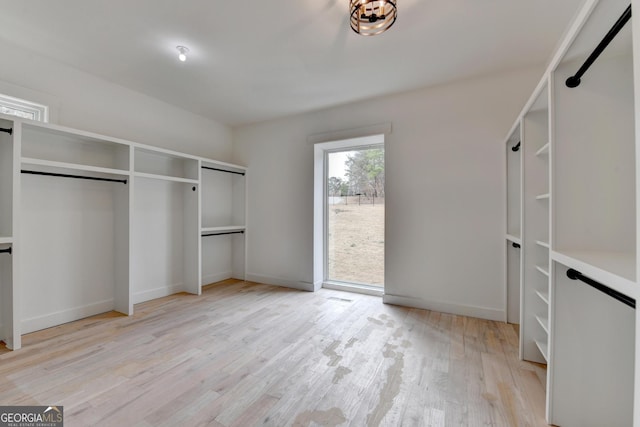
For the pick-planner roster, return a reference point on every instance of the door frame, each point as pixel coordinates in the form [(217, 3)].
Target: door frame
[(320, 217)]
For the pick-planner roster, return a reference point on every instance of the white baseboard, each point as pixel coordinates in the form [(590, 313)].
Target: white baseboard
[(65, 316), (267, 280), (216, 277), (151, 294), (445, 307)]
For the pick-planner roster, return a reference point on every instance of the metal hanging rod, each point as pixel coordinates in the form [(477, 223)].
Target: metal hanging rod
[(9, 131), (516, 147), (574, 81), (515, 245), (576, 275), (223, 170), (5, 251), (225, 232), (64, 175)]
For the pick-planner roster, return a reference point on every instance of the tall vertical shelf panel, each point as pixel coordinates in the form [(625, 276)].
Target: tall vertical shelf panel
[(535, 300), (514, 220), (165, 224), (10, 331), (594, 232), (223, 223), (74, 204)]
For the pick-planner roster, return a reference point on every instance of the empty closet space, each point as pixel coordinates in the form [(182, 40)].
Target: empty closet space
[(514, 221), (594, 169), (594, 356), (222, 222), (514, 184), (165, 256), (7, 173), (6, 180), (74, 233)]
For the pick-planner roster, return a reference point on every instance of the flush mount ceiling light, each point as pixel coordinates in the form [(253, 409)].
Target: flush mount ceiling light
[(182, 53), (372, 17)]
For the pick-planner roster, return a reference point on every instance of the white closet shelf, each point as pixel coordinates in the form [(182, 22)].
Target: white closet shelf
[(617, 270), (544, 322), (543, 196), (514, 239), (544, 150), (165, 178), (72, 166), (544, 349), (6, 240), (543, 244), (82, 136), (222, 229), (544, 296), (542, 270)]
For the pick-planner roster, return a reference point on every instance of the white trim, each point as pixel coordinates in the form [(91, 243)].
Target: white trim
[(210, 279), (345, 134), (277, 281), (64, 316), (156, 293), (352, 287), (40, 112), (445, 307), (320, 207)]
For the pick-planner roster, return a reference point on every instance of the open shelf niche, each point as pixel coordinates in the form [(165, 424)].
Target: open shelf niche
[(74, 225), (593, 356), (167, 198)]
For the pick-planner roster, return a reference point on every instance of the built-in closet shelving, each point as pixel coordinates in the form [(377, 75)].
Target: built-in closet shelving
[(535, 254), (222, 225), (96, 224), (595, 227), (166, 198), (579, 222)]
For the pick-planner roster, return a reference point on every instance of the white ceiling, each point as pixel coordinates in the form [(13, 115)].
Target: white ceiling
[(256, 60)]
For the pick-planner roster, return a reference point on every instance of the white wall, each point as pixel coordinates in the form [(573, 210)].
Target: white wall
[(86, 102), (444, 196)]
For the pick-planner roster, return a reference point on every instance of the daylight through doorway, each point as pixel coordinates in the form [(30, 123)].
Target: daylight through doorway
[(355, 216)]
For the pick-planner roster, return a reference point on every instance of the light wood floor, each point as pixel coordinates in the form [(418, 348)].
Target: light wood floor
[(245, 354)]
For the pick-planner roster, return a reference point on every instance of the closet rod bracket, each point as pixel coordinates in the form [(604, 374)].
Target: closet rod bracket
[(9, 130), (6, 251)]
